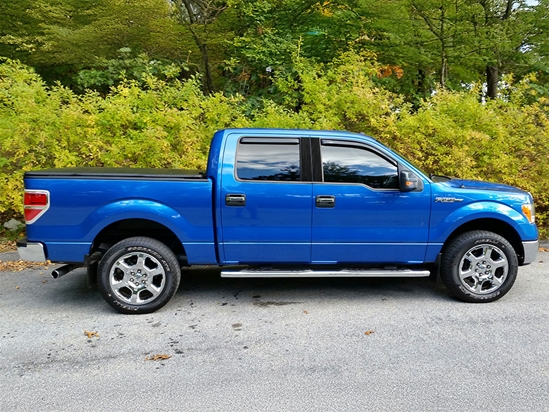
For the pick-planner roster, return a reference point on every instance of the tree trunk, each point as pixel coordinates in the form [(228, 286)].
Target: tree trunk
[(492, 71), (492, 78), (443, 71), (207, 81)]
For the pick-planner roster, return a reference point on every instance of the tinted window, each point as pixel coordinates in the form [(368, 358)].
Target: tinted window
[(352, 164), (269, 160)]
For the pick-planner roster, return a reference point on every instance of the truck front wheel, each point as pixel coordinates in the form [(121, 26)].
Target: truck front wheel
[(479, 266), (138, 275)]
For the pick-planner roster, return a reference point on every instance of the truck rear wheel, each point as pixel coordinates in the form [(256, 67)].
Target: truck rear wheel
[(138, 275), (479, 266)]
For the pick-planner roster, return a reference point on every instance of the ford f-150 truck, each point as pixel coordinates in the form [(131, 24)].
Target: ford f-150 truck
[(278, 203)]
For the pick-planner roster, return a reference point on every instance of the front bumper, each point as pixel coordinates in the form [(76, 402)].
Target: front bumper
[(530, 251), (31, 251)]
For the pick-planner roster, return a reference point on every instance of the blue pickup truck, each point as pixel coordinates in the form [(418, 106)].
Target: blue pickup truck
[(278, 203)]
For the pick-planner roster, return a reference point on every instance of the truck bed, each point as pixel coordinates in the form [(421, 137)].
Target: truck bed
[(93, 204)]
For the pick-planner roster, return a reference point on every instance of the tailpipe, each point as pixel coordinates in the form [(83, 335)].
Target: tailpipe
[(62, 271)]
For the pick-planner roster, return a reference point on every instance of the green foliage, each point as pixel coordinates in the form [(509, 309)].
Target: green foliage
[(159, 125), (153, 123), (16, 26), (106, 73), (454, 134), (270, 34), (60, 37), (242, 46), (340, 95)]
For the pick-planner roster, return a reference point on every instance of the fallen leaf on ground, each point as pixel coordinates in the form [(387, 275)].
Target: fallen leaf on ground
[(158, 357), (305, 312), (91, 334), (19, 265), (8, 246), (369, 332), (544, 249)]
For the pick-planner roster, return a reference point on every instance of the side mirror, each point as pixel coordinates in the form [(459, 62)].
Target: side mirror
[(407, 181)]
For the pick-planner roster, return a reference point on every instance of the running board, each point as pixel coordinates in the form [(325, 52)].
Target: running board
[(309, 273)]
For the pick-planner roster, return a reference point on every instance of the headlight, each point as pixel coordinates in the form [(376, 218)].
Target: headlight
[(529, 211)]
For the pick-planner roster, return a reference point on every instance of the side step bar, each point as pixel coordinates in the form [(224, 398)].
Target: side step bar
[(309, 273)]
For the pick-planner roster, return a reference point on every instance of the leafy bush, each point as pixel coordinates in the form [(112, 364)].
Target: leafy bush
[(152, 126), (106, 73), (456, 135), (452, 133), (158, 124)]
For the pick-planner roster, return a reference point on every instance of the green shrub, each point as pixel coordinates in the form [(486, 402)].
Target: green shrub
[(158, 124), (456, 135), (155, 126)]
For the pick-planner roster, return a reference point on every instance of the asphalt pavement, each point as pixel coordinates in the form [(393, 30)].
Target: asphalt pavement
[(274, 345)]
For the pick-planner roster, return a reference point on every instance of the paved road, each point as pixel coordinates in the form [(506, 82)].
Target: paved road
[(275, 345)]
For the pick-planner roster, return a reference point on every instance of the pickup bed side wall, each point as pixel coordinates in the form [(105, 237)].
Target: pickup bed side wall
[(81, 208)]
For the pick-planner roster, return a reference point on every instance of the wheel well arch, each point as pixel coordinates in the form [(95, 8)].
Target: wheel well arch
[(499, 227), (123, 229)]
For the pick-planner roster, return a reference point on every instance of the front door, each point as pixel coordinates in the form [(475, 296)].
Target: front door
[(359, 213)]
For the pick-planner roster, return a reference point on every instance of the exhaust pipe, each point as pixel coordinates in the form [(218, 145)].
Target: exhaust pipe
[(63, 270)]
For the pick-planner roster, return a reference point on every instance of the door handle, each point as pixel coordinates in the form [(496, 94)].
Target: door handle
[(325, 201), (235, 200)]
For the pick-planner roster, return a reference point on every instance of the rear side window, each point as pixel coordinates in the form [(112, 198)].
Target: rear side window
[(350, 164), (268, 159)]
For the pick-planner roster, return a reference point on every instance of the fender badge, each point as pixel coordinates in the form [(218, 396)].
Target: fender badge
[(447, 199)]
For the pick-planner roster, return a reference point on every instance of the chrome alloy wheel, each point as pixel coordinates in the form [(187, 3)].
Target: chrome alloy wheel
[(483, 269), (137, 278)]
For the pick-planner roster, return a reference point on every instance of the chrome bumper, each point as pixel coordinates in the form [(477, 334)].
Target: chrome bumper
[(530, 251), (31, 251)]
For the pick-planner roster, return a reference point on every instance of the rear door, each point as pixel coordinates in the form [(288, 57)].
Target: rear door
[(266, 200), (359, 213)]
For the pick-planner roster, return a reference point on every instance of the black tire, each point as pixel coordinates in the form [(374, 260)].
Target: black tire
[(479, 266), (138, 275)]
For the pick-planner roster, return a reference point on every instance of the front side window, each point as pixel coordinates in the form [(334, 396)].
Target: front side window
[(352, 164), (268, 159)]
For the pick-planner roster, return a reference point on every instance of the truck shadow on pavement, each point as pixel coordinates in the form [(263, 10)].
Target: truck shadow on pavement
[(72, 292), (200, 282)]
